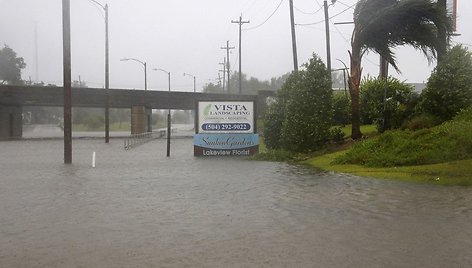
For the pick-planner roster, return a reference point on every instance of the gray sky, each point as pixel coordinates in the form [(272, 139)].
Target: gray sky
[(186, 36)]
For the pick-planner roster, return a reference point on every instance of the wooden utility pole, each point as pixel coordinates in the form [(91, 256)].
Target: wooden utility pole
[(328, 45), (294, 39), (224, 73), (228, 48), (107, 80), (240, 22), (67, 82), (442, 32)]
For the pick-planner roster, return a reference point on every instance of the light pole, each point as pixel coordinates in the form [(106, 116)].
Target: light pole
[(107, 74), (168, 113), (145, 69), (194, 80)]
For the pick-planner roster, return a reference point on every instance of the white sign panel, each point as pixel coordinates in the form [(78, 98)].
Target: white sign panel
[(226, 117)]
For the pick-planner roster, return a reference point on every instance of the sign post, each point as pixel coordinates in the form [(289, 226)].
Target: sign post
[(226, 128)]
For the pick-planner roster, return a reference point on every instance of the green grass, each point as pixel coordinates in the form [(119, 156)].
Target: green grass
[(367, 130), (449, 173), (438, 155), (450, 141)]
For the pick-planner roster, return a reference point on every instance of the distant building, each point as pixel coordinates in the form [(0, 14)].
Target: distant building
[(418, 87)]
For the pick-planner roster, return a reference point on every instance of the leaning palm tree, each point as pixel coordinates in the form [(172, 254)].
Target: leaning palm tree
[(381, 25)]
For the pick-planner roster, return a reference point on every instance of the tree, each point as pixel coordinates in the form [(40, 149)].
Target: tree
[(10, 66), (212, 88), (380, 25), (449, 87), (300, 119)]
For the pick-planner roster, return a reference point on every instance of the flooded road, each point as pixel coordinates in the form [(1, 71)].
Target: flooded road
[(138, 208)]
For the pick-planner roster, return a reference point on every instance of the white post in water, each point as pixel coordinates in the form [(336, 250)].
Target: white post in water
[(93, 159)]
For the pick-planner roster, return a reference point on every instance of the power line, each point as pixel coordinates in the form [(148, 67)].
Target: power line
[(352, 7), (321, 21), (266, 20), (308, 13), (339, 32)]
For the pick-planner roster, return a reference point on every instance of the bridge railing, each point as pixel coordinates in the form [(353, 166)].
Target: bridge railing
[(141, 138)]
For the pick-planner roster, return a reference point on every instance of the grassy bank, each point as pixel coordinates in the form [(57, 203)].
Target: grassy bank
[(439, 155), (448, 173)]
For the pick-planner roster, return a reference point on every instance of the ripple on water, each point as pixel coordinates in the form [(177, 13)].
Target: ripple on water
[(140, 208)]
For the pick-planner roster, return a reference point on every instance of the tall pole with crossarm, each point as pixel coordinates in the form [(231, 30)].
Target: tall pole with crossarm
[(240, 22)]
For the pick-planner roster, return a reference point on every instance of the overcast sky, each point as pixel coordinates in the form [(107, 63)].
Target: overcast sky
[(186, 36)]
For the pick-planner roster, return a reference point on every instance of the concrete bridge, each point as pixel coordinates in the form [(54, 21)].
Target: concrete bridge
[(13, 98)]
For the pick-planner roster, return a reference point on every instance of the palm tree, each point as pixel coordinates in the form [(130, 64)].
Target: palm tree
[(381, 25)]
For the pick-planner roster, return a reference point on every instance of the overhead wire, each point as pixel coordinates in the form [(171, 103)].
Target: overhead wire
[(352, 6), (266, 20), (321, 21), (308, 13)]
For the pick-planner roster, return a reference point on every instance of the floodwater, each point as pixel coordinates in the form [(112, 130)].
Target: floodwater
[(138, 208)]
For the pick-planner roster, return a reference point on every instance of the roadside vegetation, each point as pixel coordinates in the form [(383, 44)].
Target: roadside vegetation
[(406, 136)]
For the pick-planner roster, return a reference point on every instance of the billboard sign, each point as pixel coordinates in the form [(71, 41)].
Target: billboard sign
[(226, 117), (226, 144), (225, 128), (451, 6)]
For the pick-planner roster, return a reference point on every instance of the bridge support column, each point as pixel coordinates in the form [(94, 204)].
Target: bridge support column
[(140, 119), (149, 119), (11, 122)]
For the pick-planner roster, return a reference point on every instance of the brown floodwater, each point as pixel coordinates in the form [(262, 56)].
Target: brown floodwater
[(138, 208)]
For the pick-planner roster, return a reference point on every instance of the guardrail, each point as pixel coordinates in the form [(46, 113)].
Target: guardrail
[(141, 138)]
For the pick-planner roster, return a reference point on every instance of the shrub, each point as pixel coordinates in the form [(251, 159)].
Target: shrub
[(421, 121), (449, 87), (386, 103), (337, 135), (300, 119), (341, 109), (273, 124), (464, 115), (446, 142)]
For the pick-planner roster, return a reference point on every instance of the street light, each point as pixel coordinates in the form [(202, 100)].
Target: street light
[(168, 113), (145, 69), (194, 78), (107, 73), (162, 70)]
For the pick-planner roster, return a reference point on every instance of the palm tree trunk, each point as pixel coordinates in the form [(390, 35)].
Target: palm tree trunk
[(354, 84)]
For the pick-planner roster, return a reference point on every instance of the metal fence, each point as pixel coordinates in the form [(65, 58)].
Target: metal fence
[(141, 138)]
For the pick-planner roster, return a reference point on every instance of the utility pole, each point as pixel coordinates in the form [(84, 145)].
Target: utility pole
[(224, 73), (107, 80), (67, 81), (36, 61), (328, 45), (442, 32), (227, 61), (240, 22), (294, 40)]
